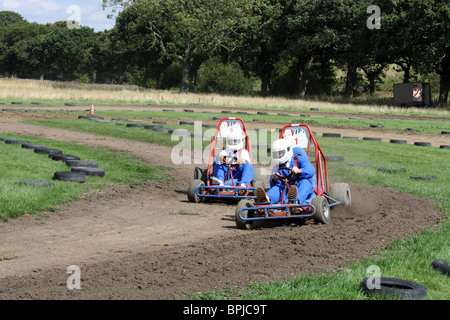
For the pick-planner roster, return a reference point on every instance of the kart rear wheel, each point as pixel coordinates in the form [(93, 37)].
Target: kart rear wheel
[(341, 193), (322, 210), (243, 224), (192, 195)]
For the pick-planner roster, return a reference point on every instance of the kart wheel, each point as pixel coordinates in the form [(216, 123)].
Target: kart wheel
[(242, 224), (322, 210), (192, 195), (341, 193)]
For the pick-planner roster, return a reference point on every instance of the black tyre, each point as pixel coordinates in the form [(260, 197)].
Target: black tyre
[(39, 183), (93, 172), (402, 289), (32, 146), (242, 224), (47, 151), (331, 135), (70, 176), (422, 144), (371, 139), (192, 195), (322, 210), (201, 174), (442, 266), (15, 141), (62, 157), (80, 163), (398, 141), (341, 192)]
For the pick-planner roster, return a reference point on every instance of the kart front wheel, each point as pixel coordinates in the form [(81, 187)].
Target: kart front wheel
[(192, 195), (322, 210), (245, 224)]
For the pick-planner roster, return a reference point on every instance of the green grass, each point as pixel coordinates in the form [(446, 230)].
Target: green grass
[(24, 164)]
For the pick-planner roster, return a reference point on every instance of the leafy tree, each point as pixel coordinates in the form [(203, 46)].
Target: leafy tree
[(189, 30)]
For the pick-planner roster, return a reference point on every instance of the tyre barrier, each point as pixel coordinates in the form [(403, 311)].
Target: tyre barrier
[(402, 289), (347, 137), (62, 157), (442, 265), (360, 164), (190, 123), (331, 135), (76, 175), (376, 126), (81, 163), (422, 144), (445, 132), (371, 139), (70, 176), (335, 158), (392, 170), (48, 151), (15, 141), (38, 183), (398, 141), (444, 146), (423, 177), (135, 125), (94, 172)]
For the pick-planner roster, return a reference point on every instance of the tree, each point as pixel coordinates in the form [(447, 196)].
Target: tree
[(189, 30)]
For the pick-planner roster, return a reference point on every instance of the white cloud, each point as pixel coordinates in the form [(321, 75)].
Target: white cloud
[(9, 5)]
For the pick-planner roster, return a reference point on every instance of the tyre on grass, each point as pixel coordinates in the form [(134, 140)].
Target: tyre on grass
[(81, 163), (70, 176), (93, 172), (402, 289), (442, 266)]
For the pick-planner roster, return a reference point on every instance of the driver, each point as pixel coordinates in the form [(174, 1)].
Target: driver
[(300, 185), (239, 158)]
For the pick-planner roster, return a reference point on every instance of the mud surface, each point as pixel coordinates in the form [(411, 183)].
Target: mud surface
[(149, 242)]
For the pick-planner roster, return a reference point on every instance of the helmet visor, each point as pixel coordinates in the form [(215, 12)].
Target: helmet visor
[(233, 142), (278, 154)]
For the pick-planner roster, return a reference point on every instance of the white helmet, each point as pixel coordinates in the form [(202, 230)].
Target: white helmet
[(235, 140), (281, 151)]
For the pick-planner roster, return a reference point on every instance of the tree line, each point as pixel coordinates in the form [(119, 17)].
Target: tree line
[(293, 48)]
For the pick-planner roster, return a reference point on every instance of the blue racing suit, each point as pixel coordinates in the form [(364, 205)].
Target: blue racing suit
[(242, 173), (303, 181)]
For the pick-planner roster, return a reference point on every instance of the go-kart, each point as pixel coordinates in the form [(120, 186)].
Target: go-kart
[(248, 215), (202, 187)]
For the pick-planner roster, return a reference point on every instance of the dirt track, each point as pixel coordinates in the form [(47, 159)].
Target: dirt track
[(129, 244)]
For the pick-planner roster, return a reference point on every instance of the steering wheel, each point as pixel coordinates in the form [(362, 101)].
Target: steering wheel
[(289, 176)]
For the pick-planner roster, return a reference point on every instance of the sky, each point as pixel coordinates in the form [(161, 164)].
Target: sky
[(87, 12)]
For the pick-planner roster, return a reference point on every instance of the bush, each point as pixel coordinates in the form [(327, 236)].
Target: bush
[(216, 77)]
